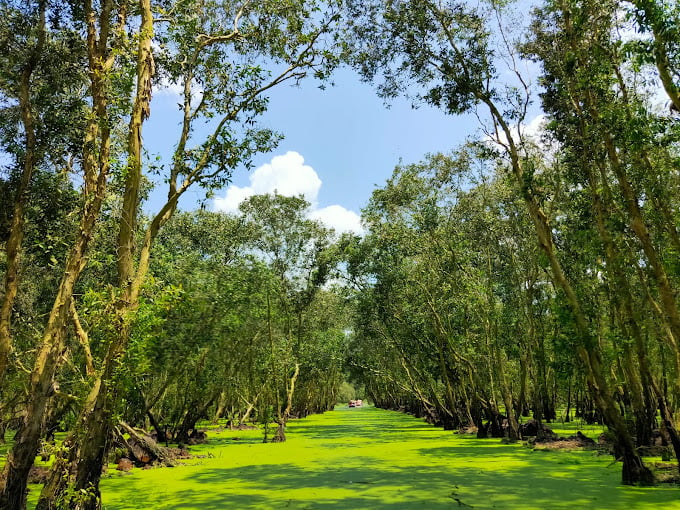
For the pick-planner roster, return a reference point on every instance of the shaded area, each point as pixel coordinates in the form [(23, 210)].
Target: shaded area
[(373, 459)]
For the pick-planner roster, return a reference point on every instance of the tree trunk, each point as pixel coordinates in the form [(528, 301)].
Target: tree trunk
[(141, 448), (633, 471), (96, 166), (16, 233), (94, 426), (282, 420), (161, 433), (27, 440)]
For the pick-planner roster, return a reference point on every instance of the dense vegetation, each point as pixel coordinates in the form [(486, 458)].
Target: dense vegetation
[(522, 274)]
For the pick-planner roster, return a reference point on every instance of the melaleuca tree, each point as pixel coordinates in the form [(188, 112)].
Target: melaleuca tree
[(211, 353), (599, 110), (236, 52), (292, 246), (93, 158), (660, 46), (41, 117), (437, 260), (452, 55)]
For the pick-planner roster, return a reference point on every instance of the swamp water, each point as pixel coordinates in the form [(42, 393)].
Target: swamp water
[(367, 458)]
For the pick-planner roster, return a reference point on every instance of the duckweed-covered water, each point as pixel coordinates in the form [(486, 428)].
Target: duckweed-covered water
[(367, 458)]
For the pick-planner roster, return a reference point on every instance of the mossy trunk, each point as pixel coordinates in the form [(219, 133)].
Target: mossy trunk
[(80, 474), (16, 231), (95, 425), (282, 420), (96, 150), (27, 440), (634, 470)]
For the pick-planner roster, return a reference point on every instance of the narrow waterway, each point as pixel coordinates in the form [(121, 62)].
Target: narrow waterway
[(367, 458)]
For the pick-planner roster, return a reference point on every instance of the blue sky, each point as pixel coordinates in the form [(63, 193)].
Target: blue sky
[(344, 135)]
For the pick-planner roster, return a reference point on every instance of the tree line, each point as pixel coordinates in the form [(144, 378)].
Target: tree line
[(518, 272), (523, 269), (77, 82)]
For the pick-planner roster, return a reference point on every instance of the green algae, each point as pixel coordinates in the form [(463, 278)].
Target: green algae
[(367, 458)]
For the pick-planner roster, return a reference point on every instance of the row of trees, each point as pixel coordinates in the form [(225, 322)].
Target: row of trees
[(522, 270), (77, 83), (526, 272)]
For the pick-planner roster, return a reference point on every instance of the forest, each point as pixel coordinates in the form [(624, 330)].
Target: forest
[(526, 273)]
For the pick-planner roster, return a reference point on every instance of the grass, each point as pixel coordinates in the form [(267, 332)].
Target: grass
[(367, 458)]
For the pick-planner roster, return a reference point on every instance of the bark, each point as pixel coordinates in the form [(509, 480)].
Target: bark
[(94, 424), (16, 234), (668, 422), (142, 449), (96, 167), (280, 435), (161, 431), (27, 442), (83, 338), (622, 298), (140, 112), (221, 407), (661, 58), (194, 413), (251, 407), (88, 444)]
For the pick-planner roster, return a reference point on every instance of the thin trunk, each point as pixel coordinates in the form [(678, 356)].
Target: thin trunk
[(280, 435), (219, 409), (83, 338), (567, 412), (161, 435), (96, 166), (20, 459), (95, 422), (639, 227), (16, 233), (663, 63)]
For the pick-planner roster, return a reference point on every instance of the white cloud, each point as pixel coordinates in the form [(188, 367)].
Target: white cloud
[(338, 218), (288, 175), (174, 91), (230, 202), (536, 127)]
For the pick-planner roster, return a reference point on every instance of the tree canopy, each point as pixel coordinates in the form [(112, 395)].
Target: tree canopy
[(521, 274)]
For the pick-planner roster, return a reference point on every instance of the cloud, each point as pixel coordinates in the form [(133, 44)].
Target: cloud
[(174, 91), (338, 218), (536, 127), (288, 175), (230, 202)]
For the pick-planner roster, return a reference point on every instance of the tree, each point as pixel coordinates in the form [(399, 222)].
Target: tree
[(446, 52), (598, 110), (96, 149), (292, 247), (32, 77), (244, 41)]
